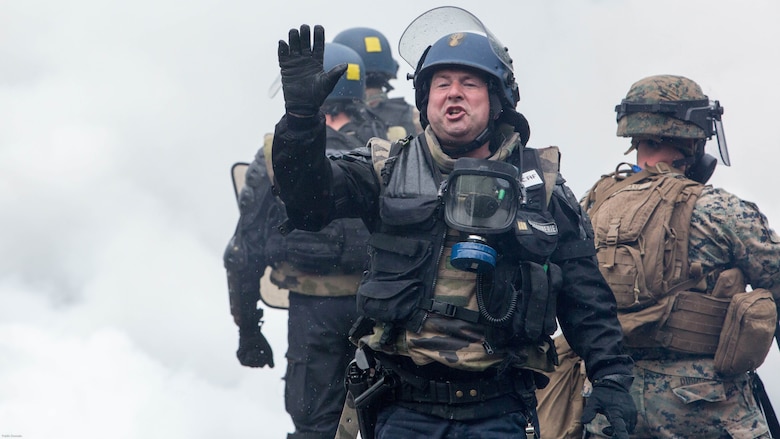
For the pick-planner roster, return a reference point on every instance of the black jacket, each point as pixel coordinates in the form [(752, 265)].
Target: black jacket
[(317, 190)]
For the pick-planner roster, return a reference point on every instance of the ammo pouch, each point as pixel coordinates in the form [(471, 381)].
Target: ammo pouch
[(747, 332), (540, 285), (392, 289)]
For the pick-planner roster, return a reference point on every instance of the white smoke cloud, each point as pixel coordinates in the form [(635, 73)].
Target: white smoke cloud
[(118, 126)]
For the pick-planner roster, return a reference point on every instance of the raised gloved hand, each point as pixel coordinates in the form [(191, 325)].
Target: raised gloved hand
[(611, 398), (305, 83), (253, 348)]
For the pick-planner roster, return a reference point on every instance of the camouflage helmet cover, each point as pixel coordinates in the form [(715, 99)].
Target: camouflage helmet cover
[(655, 89)]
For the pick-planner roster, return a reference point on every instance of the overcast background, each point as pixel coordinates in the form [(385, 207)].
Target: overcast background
[(119, 122)]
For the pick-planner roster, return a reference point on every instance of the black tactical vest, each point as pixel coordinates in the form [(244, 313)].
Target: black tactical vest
[(518, 297)]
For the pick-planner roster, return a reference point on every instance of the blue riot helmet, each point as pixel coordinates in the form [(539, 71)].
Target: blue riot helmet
[(480, 200), (452, 37), (467, 49), (351, 87), (375, 50)]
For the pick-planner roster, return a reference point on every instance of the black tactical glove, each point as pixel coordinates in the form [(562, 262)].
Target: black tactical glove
[(304, 81), (611, 398), (253, 348)]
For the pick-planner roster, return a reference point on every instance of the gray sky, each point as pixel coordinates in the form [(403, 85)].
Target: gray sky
[(119, 122)]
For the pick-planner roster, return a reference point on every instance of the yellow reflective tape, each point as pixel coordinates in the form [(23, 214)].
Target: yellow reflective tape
[(353, 72), (372, 44)]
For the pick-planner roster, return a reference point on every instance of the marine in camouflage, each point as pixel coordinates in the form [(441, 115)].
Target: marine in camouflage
[(687, 398), (679, 396)]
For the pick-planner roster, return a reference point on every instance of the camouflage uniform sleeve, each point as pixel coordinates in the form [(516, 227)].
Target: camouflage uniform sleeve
[(727, 231)]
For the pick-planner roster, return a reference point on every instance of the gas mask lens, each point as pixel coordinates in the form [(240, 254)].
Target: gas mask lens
[(480, 203), (480, 199)]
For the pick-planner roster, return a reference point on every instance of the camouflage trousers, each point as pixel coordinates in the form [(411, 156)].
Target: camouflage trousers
[(685, 399)]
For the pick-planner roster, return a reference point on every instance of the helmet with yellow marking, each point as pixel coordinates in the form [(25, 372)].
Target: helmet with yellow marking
[(374, 49), (351, 86)]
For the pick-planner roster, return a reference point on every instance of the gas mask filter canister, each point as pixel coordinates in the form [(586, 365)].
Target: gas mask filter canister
[(480, 199)]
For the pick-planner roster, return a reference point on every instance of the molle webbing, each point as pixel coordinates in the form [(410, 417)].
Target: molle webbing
[(642, 226), (694, 323), (642, 223)]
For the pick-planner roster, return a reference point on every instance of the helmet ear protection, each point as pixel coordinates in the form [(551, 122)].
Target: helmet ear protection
[(702, 170), (701, 166)]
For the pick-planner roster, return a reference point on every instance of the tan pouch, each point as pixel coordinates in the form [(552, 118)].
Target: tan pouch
[(561, 402), (729, 283), (747, 332)]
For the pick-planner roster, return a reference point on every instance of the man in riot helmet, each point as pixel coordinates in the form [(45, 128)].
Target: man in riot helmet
[(401, 118), (679, 255), (321, 269), (476, 244), (345, 107)]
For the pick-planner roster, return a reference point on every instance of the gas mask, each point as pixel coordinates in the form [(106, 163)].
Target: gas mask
[(480, 201)]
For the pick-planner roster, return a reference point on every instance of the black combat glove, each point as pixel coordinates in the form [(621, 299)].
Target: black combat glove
[(304, 81), (611, 398), (253, 348)]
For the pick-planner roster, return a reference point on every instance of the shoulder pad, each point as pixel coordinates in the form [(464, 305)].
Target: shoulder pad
[(383, 150), (380, 152), (550, 158)]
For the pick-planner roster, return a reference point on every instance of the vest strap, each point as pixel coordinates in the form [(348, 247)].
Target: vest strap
[(450, 310)]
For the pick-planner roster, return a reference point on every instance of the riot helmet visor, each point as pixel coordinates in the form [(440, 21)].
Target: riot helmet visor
[(439, 22)]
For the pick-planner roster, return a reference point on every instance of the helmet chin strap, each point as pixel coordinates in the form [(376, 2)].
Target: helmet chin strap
[(485, 135), (687, 161), (480, 140)]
